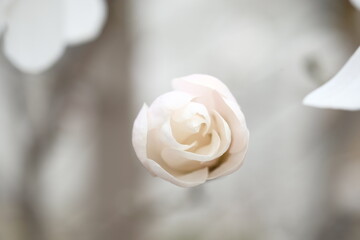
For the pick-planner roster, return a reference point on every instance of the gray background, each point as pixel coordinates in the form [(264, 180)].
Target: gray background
[(67, 168)]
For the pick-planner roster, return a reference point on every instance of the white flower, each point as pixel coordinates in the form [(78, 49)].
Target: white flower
[(356, 3), (195, 133), (341, 92), (36, 32)]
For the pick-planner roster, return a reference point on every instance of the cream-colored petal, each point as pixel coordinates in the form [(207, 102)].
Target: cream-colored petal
[(342, 91), (178, 162), (168, 139), (84, 19), (201, 84), (163, 106), (237, 124), (34, 36), (212, 151), (206, 155), (189, 120), (231, 113), (224, 132), (230, 163), (190, 110), (182, 180), (139, 140), (140, 134)]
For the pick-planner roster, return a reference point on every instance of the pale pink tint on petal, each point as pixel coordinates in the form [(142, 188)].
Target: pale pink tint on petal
[(200, 84), (237, 123), (139, 140), (34, 37), (161, 109), (342, 91), (84, 19)]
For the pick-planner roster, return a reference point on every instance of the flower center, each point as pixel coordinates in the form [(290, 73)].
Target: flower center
[(190, 126)]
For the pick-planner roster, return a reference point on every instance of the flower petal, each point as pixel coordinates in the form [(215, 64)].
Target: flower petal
[(139, 134), (209, 153), (230, 164), (188, 120), (34, 38), (84, 19), (224, 132), (179, 163), (185, 180), (139, 140), (163, 106), (168, 139), (230, 111), (201, 84), (356, 3), (342, 91)]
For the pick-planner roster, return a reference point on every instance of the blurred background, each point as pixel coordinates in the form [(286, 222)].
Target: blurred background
[(67, 167)]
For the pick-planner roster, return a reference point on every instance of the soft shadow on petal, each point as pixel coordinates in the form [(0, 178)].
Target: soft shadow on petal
[(224, 132), (139, 139), (234, 158), (231, 113), (230, 164), (212, 151), (164, 105), (34, 38), (84, 19), (200, 84), (168, 139), (184, 180), (175, 161), (342, 91)]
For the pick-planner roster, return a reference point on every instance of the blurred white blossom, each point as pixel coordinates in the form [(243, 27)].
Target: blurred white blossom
[(356, 3), (341, 92), (192, 134), (36, 32)]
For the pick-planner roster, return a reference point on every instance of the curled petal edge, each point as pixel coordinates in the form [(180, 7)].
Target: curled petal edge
[(342, 91), (200, 84), (139, 140)]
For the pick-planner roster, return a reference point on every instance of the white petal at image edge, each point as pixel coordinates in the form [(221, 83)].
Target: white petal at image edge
[(84, 19), (342, 91), (356, 3), (34, 38)]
